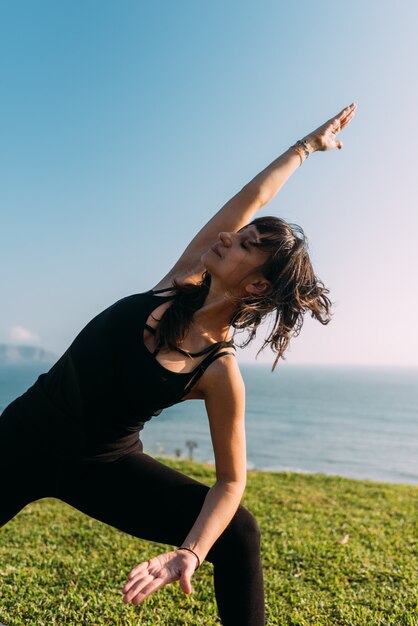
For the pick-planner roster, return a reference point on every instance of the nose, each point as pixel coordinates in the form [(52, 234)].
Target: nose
[(225, 238)]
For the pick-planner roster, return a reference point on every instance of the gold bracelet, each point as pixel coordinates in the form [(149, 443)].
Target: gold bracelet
[(300, 153)]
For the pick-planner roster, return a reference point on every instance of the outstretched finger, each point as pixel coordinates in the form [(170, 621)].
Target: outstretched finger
[(347, 119), (346, 122), (341, 116), (347, 112), (338, 123), (153, 586), (137, 587), (134, 581), (139, 568)]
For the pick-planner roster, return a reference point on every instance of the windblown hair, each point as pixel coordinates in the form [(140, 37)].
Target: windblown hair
[(294, 290)]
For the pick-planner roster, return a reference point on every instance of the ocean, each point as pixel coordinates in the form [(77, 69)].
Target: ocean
[(357, 422)]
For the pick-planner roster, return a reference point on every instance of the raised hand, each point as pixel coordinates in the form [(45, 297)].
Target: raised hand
[(325, 136), (150, 576)]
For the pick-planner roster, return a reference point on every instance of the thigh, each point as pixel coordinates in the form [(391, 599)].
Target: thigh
[(136, 494), (24, 468)]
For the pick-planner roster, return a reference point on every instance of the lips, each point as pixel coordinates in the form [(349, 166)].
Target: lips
[(215, 249)]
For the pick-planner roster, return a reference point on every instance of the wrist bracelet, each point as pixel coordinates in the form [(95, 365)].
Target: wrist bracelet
[(301, 148), (189, 550)]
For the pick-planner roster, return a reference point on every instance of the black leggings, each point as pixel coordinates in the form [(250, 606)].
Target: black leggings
[(119, 493)]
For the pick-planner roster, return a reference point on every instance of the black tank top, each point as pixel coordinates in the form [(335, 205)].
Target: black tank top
[(108, 384)]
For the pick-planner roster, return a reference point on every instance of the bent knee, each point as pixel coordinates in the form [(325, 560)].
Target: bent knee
[(245, 524), (241, 537)]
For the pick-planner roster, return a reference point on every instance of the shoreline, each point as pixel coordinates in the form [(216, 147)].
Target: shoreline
[(255, 470)]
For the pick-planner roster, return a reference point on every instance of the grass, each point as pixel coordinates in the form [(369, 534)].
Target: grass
[(336, 552)]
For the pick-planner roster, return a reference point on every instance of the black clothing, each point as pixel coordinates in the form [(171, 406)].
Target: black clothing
[(73, 435), (108, 384)]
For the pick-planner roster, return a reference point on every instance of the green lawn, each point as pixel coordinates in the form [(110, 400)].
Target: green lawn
[(335, 552)]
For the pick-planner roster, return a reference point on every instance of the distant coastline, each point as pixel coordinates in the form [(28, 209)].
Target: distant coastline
[(17, 354)]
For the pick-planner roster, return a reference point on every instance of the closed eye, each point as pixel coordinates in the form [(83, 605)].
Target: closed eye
[(247, 245)]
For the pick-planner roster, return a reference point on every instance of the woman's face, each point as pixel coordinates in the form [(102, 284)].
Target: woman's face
[(235, 261)]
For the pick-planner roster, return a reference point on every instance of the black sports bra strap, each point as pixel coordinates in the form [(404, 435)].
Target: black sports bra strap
[(211, 348), (200, 370)]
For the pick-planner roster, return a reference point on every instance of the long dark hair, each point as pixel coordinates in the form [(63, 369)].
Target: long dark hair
[(294, 290)]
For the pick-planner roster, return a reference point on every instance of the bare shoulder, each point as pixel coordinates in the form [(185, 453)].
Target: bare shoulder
[(223, 378)]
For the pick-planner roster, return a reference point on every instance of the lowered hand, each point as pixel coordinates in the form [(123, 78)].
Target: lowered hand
[(150, 576)]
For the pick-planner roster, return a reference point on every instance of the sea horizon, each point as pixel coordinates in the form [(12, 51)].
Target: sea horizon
[(355, 421)]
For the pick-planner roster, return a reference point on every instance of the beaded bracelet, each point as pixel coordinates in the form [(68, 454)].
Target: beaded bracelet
[(189, 550)]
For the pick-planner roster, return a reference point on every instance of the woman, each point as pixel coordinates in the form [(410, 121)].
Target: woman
[(73, 435)]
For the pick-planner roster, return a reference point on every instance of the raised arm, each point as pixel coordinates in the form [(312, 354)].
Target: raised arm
[(241, 208), (272, 178)]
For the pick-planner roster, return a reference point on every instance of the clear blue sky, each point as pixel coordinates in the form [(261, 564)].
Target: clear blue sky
[(126, 125)]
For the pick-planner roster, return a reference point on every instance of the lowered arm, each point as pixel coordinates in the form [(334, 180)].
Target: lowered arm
[(225, 399)]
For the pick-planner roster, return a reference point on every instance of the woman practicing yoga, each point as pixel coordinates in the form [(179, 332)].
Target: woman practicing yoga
[(73, 435)]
